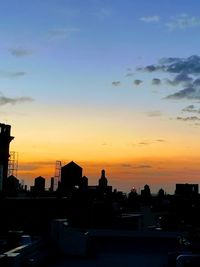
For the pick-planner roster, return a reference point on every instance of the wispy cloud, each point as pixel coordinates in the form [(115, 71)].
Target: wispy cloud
[(142, 167), (116, 83), (183, 21), (144, 143), (131, 166), (191, 93), (191, 109), (15, 100), (192, 118), (20, 52), (149, 19), (30, 166), (160, 140), (11, 74), (129, 74), (62, 33), (154, 113)]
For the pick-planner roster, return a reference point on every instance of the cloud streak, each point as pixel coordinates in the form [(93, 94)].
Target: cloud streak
[(150, 19), (116, 83), (154, 113), (16, 100), (192, 118), (191, 109), (62, 33), (142, 167), (11, 74), (183, 21), (20, 52)]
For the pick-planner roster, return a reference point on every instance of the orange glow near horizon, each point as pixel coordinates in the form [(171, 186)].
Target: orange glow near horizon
[(132, 154), (123, 175)]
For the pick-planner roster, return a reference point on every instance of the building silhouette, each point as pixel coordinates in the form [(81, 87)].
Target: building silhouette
[(5, 139), (187, 189), (103, 181), (51, 189), (11, 186), (71, 177), (103, 187), (84, 183), (39, 185)]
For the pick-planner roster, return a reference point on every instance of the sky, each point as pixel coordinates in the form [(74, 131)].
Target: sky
[(109, 84)]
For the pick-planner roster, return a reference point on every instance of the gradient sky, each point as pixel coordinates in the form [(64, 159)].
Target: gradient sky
[(111, 84)]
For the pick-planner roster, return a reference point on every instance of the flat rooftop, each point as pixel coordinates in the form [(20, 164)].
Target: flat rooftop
[(118, 248)]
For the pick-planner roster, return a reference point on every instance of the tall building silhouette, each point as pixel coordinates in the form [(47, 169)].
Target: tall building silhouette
[(5, 139), (71, 176)]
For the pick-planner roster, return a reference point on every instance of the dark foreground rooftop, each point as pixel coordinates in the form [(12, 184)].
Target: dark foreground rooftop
[(114, 248)]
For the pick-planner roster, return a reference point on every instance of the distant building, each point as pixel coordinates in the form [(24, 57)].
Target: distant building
[(11, 185), (187, 189), (39, 185), (84, 183), (5, 139), (51, 189), (103, 182), (71, 175)]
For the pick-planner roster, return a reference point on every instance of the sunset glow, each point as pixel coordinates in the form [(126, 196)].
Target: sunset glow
[(111, 85)]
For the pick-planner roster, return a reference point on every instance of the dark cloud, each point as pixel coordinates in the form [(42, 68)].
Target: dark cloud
[(156, 81), (190, 65), (185, 73), (181, 78), (187, 93), (11, 74), (137, 82), (8, 100), (116, 83), (191, 109), (196, 82), (152, 68), (20, 52), (160, 140), (169, 60), (192, 118)]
